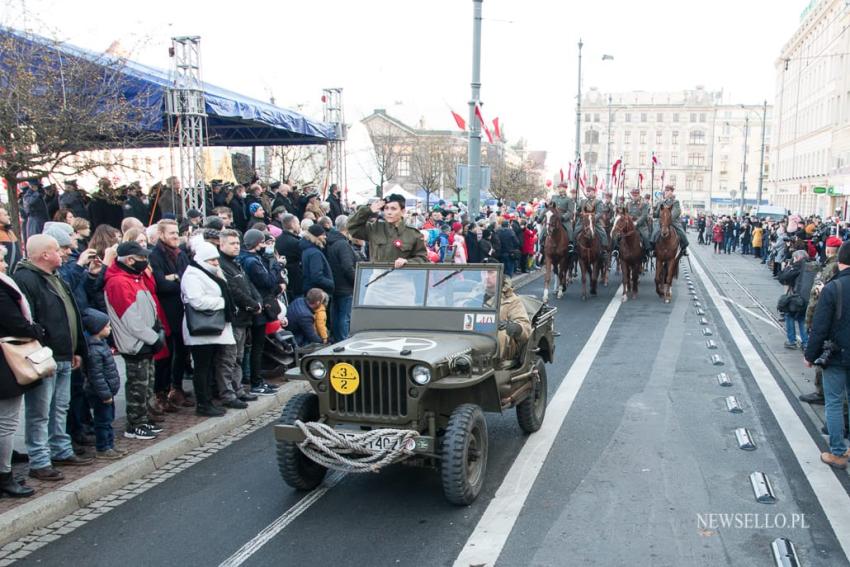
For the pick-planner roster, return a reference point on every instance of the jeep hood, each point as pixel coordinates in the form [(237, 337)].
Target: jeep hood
[(428, 347)]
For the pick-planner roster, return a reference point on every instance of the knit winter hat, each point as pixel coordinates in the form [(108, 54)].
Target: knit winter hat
[(94, 321), (252, 238), (316, 230), (254, 207), (205, 251)]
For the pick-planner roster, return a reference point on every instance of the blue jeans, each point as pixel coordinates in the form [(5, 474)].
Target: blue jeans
[(836, 383), (45, 418), (800, 320), (104, 415), (341, 316)]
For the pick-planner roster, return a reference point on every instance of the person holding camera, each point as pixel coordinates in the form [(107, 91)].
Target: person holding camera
[(829, 348)]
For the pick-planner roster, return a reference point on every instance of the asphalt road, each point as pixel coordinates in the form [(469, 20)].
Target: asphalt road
[(645, 456)]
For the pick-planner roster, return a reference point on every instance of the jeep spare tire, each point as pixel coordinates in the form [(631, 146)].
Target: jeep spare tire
[(464, 455), (296, 469), (531, 411)]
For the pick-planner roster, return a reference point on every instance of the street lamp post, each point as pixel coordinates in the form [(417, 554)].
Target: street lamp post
[(608, 160), (578, 112), (474, 153), (761, 164), (744, 168)]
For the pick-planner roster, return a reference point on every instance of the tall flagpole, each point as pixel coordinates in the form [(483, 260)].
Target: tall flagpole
[(652, 182)]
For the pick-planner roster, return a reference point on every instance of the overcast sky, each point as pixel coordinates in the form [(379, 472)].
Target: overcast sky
[(414, 58)]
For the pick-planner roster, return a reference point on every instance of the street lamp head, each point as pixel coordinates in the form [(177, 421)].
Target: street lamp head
[(607, 57)]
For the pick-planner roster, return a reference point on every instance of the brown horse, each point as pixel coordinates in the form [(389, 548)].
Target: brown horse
[(589, 248), (631, 253), (605, 266), (667, 255), (555, 252)]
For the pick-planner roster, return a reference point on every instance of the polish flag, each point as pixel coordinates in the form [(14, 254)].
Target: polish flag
[(640, 180), (614, 169), (496, 129), (655, 161), (483, 123), (461, 123)]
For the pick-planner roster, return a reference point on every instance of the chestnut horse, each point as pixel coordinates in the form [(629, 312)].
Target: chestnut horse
[(589, 248), (630, 258), (605, 267), (667, 255), (555, 252)]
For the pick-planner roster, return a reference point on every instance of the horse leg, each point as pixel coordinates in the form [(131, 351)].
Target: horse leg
[(594, 276), (583, 280), (547, 278), (635, 280), (626, 282)]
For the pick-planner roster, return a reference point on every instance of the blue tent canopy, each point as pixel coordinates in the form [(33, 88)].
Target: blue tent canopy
[(232, 119)]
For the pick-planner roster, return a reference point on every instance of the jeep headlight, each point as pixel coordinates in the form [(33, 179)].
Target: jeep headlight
[(317, 369), (421, 374)]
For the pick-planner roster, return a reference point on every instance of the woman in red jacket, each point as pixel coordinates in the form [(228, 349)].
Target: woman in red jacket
[(529, 237), (717, 237)]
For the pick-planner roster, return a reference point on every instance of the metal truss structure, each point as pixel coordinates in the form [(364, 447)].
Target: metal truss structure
[(334, 114)]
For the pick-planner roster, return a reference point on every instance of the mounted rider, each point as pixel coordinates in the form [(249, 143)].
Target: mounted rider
[(676, 210), (639, 211), (591, 205), (608, 206), (566, 206)]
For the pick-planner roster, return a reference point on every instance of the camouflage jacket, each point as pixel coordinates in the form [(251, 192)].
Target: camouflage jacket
[(826, 273)]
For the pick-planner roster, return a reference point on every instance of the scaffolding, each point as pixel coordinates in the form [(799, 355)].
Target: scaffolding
[(188, 119), (333, 114)]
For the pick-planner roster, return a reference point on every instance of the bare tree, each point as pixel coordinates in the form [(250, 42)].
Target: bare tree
[(306, 165), (387, 148), (54, 107), (427, 166), (515, 182)]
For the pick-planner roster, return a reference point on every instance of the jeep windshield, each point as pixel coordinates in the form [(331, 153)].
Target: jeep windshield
[(454, 287)]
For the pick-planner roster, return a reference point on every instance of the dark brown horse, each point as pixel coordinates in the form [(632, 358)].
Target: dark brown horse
[(667, 255), (631, 253), (605, 220), (555, 252), (589, 248)]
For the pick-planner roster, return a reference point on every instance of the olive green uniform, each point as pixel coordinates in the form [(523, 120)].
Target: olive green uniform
[(677, 224), (512, 309), (567, 207), (826, 273), (387, 242), (594, 206), (639, 211)]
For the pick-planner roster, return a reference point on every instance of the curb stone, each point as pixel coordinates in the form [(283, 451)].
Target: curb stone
[(41, 511)]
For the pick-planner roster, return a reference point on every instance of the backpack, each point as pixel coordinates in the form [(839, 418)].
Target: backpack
[(806, 279)]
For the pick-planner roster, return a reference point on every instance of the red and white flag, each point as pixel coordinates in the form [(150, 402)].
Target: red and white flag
[(461, 123), (496, 129), (614, 169), (483, 123), (640, 180)]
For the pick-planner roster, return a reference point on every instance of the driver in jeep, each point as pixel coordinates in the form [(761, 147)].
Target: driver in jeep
[(514, 325)]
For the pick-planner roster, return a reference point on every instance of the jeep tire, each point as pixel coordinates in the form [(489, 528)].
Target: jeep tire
[(464, 455), (296, 469), (532, 410)]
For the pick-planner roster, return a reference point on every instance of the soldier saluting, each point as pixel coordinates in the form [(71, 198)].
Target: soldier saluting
[(390, 239), (676, 210)]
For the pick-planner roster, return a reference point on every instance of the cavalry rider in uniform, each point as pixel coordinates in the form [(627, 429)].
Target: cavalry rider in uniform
[(639, 211), (566, 206), (591, 205), (390, 240), (671, 201), (608, 206)]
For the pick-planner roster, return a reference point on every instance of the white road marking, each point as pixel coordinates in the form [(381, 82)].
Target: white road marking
[(262, 538), (749, 312), (487, 540), (828, 490)]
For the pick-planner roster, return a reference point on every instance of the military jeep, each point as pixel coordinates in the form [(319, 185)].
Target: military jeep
[(411, 383)]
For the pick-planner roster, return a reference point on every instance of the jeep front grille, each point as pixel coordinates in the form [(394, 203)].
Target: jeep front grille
[(382, 390)]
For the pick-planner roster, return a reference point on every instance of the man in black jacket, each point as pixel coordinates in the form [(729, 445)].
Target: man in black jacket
[(249, 303), (509, 247), (240, 209), (168, 262), (832, 322), (133, 205), (54, 308), (281, 197), (334, 200), (288, 245), (342, 259)]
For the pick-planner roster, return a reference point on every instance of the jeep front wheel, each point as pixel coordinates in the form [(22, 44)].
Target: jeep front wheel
[(296, 469), (531, 411), (464, 455)]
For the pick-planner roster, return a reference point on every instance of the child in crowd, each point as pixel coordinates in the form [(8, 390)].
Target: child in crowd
[(321, 315), (102, 383)]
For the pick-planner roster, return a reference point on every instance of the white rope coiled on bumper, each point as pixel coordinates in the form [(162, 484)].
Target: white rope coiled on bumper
[(327, 447)]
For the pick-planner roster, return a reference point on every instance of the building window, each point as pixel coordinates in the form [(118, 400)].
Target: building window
[(675, 137), (674, 159), (627, 137), (590, 158), (696, 159), (702, 116), (643, 116), (658, 137), (642, 158), (675, 117), (697, 137), (659, 117), (699, 183), (672, 180), (596, 117), (591, 137), (727, 129), (724, 165), (693, 116), (642, 137), (587, 117), (403, 165), (689, 183), (628, 117)]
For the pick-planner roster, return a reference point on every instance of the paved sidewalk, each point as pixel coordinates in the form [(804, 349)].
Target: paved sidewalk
[(749, 288)]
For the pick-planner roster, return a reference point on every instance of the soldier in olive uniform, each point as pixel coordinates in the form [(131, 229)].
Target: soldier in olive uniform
[(639, 211), (566, 207), (390, 240), (823, 277), (592, 205), (671, 201)]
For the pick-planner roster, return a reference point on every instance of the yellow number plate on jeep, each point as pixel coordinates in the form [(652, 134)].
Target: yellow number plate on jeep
[(344, 378)]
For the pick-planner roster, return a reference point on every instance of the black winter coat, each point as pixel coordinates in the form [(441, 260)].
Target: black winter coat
[(240, 213), (102, 378), (102, 211), (825, 327), (508, 240), (246, 298), (134, 207), (473, 250), (317, 270), (14, 324), (168, 291), (48, 310), (288, 246), (336, 207), (285, 202), (342, 260)]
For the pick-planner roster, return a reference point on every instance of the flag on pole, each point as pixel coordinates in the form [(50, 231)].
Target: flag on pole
[(461, 123), (614, 169), (640, 180), (570, 174), (496, 129), (655, 160), (483, 123)]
